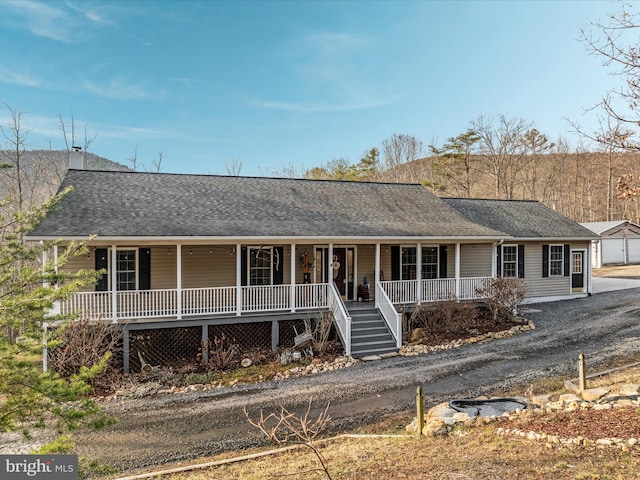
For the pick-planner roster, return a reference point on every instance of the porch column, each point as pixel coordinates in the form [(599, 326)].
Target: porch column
[(292, 294), (238, 279), (330, 261), (55, 258), (179, 281), (458, 271), (376, 273), (114, 283), (45, 259), (419, 273)]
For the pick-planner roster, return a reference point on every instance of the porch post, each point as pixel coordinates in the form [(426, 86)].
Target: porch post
[(45, 259), (376, 273), (238, 280), (419, 273), (292, 294), (114, 283), (179, 281), (55, 258), (125, 350), (458, 271)]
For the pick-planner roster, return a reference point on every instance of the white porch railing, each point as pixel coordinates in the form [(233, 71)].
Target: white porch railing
[(223, 300), (340, 317), (389, 313), (469, 286)]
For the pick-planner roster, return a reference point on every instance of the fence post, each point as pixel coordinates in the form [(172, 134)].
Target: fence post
[(420, 410), (582, 379)]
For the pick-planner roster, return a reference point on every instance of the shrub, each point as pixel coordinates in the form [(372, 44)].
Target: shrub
[(503, 296)]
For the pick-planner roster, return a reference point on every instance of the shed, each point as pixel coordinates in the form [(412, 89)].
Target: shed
[(619, 243)]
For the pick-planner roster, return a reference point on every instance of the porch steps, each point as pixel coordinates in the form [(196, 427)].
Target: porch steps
[(369, 333)]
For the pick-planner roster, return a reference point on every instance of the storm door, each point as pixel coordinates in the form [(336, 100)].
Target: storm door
[(577, 271)]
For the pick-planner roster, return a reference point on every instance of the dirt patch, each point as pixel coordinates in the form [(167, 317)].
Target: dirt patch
[(618, 271)]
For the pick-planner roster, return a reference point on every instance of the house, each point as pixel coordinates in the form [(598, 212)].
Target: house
[(194, 257), (619, 243), (549, 252)]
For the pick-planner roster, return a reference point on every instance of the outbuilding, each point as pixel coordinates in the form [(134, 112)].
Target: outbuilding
[(619, 243)]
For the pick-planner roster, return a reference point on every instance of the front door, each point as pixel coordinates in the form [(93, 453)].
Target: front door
[(577, 271), (343, 269)]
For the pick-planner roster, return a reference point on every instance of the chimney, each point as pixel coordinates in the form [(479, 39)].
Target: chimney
[(76, 158)]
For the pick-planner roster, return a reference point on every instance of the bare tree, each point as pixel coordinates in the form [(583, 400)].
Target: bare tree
[(157, 162), (399, 153), (233, 167), (133, 160), (616, 43), (289, 428), (13, 157), (500, 143), (536, 144)]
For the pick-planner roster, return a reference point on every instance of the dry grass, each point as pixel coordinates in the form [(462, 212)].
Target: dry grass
[(468, 453), (618, 271)]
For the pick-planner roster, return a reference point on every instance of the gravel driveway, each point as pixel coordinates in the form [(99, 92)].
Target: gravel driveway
[(161, 429)]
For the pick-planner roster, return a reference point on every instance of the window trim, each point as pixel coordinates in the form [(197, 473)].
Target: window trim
[(515, 261), (423, 272), (110, 265), (250, 249), (561, 260)]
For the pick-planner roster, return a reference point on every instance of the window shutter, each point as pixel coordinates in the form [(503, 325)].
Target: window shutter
[(102, 262), (499, 261), (545, 260), (243, 265), (520, 261), (567, 260), (395, 262), (278, 273), (443, 261), (144, 269)]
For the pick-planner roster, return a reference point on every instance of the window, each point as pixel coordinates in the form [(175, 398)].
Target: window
[(260, 266), (556, 260), (126, 270), (429, 262), (408, 265), (509, 261), (577, 263)]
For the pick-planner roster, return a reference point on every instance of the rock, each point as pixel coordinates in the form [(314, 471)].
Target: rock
[(629, 390), (568, 398), (435, 428), (371, 358), (461, 417), (441, 411), (540, 400), (595, 393), (389, 355), (246, 362)]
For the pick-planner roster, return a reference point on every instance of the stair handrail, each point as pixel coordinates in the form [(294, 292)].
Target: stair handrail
[(340, 317), (391, 316)]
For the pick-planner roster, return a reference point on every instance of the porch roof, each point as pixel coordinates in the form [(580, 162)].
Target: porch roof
[(521, 219), (160, 205)]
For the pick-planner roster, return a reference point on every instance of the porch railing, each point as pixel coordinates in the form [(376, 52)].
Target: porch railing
[(223, 300), (340, 317), (391, 316), (434, 290)]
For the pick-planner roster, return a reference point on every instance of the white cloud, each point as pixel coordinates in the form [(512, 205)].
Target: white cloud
[(118, 89), (41, 19), (20, 79)]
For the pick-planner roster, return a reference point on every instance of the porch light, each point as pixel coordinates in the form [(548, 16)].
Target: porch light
[(232, 252), (190, 252), (168, 251), (211, 250)]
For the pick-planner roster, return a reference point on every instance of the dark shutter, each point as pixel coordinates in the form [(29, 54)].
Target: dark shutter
[(499, 261), (102, 263), (395, 262), (276, 265), (520, 261), (144, 269), (243, 265), (443, 261), (545, 260), (567, 260)]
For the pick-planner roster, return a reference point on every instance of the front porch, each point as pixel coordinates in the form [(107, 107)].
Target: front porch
[(174, 304)]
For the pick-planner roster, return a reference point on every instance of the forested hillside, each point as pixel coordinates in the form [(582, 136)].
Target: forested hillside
[(505, 158)]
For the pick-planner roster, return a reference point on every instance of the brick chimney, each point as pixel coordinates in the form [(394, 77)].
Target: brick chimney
[(76, 158)]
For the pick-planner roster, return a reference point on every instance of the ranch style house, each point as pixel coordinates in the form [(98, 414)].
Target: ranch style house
[(192, 257)]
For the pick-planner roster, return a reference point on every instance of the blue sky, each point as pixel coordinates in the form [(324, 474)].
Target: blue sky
[(291, 84)]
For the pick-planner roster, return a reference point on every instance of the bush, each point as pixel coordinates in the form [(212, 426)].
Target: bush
[(503, 296)]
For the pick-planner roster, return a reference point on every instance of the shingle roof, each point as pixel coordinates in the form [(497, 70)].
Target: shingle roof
[(123, 204), (520, 218), (601, 227)]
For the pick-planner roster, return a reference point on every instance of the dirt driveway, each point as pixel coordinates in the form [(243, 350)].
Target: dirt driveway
[(168, 428)]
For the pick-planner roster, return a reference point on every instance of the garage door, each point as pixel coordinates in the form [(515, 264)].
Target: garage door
[(612, 250), (634, 250)]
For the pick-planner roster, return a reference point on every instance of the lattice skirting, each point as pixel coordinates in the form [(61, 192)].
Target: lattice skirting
[(179, 346)]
